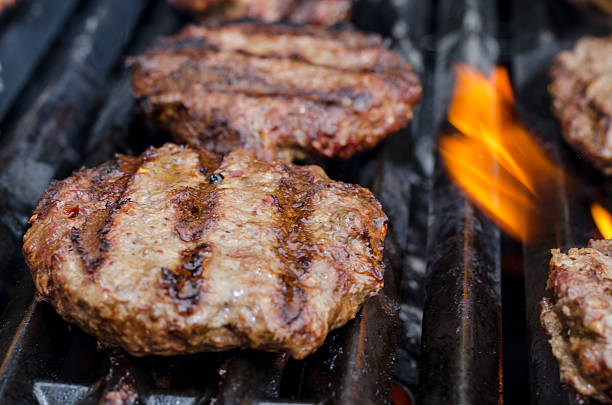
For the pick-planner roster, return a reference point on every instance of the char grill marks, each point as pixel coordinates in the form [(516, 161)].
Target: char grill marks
[(185, 283), (180, 251), (108, 186), (89, 219), (194, 206), (281, 91), (292, 200), (319, 12)]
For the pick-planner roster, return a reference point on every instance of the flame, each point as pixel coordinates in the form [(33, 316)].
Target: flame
[(603, 220), (494, 159)]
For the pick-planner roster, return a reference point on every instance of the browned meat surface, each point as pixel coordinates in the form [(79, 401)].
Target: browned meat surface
[(179, 252), (603, 5), (4, 4), (318, 12), (578, 318), (581, 88), (280, 91)]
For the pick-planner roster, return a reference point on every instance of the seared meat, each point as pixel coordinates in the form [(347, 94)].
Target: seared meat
[(179, 251), (604, 5), (4, 4), (318, 12), (581, 87), (579, 317), (280, 91)]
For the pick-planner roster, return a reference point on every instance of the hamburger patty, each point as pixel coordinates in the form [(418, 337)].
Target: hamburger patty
[(579, 317), (580, 88), (318, 12), (603, 5), (179, 251), (5, 4), (283, 92)]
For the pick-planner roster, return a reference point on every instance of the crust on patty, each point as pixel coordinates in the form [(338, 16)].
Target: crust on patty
[(283, 92), (318, 12), (178, 251), (578, 318), (603, 5)]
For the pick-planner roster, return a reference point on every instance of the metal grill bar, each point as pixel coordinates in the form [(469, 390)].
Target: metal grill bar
[(251, 375), (37, 24), (461, 350), (43, 138), (26, 356)]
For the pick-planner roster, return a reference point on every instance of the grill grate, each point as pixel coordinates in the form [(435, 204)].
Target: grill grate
[(461, 351), (555, 27), (70, 104), (65, 101)]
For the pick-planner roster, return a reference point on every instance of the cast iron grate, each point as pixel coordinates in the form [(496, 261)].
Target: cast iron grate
[(461, 339), (65, 102)]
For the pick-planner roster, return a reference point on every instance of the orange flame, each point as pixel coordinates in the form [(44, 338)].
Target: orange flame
[(494, 160), (603, 220)]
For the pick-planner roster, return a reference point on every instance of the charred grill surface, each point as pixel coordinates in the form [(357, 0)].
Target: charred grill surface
[(318, 12), (173, 252), (283, 92), (581, 86)]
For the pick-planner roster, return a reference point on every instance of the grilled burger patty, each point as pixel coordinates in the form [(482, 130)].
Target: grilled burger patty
[(579, 317), (283, 92), (603, 5), (581, 87), (319, 12), (179, 251), (4, 4)]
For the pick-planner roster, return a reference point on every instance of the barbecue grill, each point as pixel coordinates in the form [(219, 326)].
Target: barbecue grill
[(435, 330)]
